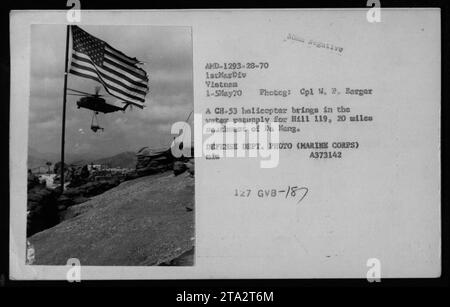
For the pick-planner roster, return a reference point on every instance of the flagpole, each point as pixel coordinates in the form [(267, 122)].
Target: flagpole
[(64, 109)]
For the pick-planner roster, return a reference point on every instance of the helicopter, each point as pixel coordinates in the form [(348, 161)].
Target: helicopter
[(96, 104)]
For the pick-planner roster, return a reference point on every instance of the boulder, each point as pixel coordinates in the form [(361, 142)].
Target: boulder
[(179, 167), (150, 161)]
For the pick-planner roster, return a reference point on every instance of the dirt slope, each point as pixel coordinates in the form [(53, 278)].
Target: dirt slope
[(146, 221)]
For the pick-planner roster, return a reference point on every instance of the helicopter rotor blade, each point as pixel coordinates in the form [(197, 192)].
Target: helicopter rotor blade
[(70, 94), (83, 93), (77, 91)]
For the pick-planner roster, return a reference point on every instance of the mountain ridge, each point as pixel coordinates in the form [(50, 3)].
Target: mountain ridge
[(126, 159)]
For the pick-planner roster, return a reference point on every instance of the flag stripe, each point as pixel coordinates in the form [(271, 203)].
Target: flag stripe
[(121, 73), (126, 85), (129, 70), (111, 54), (118, 95), (142, 85), (108, 86), (83, 74), (91, 75), (114, 91), (121, 55), (107, 75), (105, 80)]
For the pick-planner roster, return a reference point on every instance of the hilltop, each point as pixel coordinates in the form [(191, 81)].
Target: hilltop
[(145, 221)]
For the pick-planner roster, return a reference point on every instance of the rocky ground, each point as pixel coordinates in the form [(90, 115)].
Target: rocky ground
[(144, 221)]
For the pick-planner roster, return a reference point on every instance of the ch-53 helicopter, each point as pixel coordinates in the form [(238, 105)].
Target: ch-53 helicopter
[(96, 104)]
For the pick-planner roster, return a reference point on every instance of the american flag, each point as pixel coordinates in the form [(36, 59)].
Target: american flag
[(120, 75)]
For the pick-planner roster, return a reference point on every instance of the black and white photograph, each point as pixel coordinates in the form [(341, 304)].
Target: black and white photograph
[(248, 145), (103, 185)]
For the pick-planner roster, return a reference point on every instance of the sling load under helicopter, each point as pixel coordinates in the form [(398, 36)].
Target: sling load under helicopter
[(96, 104)]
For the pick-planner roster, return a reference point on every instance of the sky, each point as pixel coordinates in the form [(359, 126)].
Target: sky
[(167, 54)]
